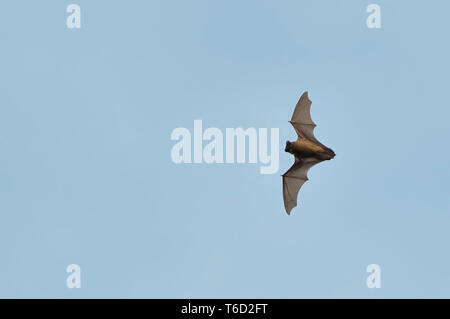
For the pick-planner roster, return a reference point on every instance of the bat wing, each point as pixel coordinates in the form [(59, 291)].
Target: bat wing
[(302, 122), (294, 179)]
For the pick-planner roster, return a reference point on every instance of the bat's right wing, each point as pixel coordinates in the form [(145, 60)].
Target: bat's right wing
[(294, 179)]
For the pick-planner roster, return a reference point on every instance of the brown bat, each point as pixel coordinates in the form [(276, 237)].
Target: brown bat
[(307, 150)]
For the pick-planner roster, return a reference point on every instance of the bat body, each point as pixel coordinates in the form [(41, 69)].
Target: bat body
[(307, 151)]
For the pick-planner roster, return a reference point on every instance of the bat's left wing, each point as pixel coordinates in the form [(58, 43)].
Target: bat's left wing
[(294, 179), (302, 122)]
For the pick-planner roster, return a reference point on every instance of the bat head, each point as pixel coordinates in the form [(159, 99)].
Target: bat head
[(289, 147)]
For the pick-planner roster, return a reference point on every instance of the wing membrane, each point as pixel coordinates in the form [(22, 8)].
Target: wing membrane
[(301, 120), (294, 179)]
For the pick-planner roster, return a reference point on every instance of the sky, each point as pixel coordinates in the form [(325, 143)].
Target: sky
[(86, 175)]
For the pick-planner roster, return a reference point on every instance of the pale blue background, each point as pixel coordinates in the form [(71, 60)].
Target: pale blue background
[(85, 169)]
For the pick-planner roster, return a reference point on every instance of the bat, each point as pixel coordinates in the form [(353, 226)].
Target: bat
[(307, 151)]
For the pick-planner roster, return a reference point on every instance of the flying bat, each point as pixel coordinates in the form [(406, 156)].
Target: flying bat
[(307, 150)]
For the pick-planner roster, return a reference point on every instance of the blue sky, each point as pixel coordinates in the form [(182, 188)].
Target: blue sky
[(86, 176)]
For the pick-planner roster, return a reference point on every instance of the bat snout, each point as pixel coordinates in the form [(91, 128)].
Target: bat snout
[(288, 147)]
